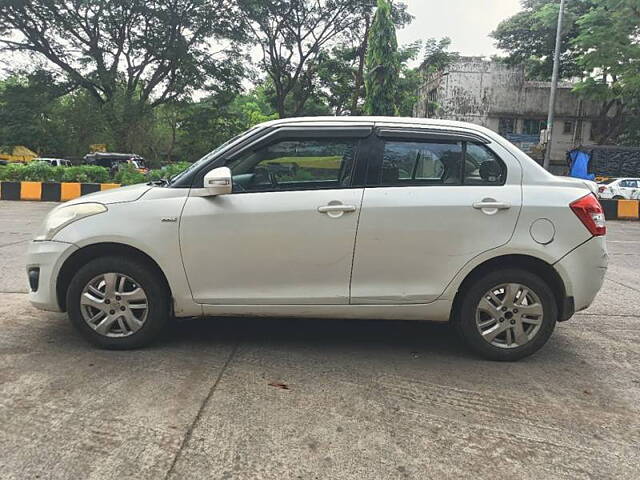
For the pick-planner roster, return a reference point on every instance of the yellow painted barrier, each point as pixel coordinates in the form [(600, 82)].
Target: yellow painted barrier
[(30, 190), (628, 209), (69, 191), (108, 186)]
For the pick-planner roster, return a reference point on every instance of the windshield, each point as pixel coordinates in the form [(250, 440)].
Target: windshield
[(214, 153)]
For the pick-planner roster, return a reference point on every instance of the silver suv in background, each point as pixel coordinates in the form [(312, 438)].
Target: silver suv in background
[(54, 162), (363, 217)]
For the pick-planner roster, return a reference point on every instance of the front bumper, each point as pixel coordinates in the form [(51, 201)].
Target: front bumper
[(48, 257), (583, 270)]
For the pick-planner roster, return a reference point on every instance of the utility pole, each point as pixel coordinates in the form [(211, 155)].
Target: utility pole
[(554, 87)]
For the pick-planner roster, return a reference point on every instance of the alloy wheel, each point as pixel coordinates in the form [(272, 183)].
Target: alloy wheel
[(509, 315), (114, 305)]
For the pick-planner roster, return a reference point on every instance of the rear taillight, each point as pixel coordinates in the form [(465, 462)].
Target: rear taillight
[(602, 189), (590, 213)]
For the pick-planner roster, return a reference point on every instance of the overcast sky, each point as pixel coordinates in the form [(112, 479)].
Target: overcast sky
[(467, 22)]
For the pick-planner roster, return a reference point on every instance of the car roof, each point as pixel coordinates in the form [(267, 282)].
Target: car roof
[(377, 121)]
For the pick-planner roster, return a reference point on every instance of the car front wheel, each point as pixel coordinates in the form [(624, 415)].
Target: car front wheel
[(118, 303), (507, 315)]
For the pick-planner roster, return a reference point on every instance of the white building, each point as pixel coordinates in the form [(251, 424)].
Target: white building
[(498, 97)]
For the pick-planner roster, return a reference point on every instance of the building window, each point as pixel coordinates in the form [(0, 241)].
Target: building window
[(432, 103), (567, 128), (506, 126), (532, 126)]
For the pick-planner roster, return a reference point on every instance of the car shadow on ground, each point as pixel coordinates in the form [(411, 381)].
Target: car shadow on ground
[(368, 337), (326, 333)]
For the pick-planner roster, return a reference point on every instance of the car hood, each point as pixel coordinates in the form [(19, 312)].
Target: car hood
[(114, 195)]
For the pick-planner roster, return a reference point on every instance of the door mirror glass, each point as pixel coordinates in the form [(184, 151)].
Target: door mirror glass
[(218, 181)]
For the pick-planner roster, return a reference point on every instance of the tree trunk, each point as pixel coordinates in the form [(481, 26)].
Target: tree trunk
[(362, 54)]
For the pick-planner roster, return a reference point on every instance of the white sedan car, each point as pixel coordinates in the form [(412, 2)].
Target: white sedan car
[(386, 218), (619, 189)]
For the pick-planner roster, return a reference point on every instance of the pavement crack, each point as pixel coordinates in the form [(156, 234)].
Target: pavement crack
[(13, 243), (198, 415), (624, 285)]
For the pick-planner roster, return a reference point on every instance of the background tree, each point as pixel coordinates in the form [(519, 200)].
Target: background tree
[(609, 46), (528, 37), (292, 35), (383, 66), (128, 55), (601, 45), (27, 111), (437, 55)]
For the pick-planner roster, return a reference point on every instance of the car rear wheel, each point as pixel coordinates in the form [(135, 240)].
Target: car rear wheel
[(507, 315), (118, 303)]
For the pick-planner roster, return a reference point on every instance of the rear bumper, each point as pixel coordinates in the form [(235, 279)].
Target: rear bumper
[(47, 257), (583, 270)]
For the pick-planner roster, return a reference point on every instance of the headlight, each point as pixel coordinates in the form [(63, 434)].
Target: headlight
[(63, 216)]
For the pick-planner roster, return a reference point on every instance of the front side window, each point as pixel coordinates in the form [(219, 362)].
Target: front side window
[(295, 165)]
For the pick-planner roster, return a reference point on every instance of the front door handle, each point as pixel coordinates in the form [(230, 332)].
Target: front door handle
[(337, 208)]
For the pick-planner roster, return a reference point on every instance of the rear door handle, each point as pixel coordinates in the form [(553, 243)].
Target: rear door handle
[(491, 205), (337, 208)]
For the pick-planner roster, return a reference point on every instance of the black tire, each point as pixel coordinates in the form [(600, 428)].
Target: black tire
[(465, 315), (146, 277), (618, 197)]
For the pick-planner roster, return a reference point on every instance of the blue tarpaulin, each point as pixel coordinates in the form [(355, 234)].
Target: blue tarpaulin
[(580, 165)]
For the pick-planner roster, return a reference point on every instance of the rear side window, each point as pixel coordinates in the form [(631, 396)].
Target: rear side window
[(440, 163), (421, 163), (482, 166)]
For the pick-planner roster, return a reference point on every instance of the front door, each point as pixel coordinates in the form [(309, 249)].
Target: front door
[(426, 213), (285, 236)]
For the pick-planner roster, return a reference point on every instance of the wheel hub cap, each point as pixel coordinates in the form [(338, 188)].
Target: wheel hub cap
[(509, 315), (114, 305)]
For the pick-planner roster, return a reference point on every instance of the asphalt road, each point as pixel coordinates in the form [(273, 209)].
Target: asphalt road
[(363, 400)]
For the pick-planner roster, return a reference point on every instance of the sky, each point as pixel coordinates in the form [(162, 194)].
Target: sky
[(467, 22)]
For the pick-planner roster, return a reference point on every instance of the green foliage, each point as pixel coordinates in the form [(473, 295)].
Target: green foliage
[(167, 171), (609, 48), (437, 55), (27, 111), (383, 66), (164, 46), (43, 172), (11, 172), (128, 175), (529, 37)]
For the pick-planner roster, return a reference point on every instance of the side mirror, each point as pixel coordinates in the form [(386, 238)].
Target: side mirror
[(218, 181)]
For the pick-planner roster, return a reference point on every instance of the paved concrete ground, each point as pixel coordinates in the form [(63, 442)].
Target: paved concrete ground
[(365, 400)]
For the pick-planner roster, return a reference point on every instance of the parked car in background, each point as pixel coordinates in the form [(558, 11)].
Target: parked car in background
[(54, 162), (619, 188), (113, 161), (386, 218)]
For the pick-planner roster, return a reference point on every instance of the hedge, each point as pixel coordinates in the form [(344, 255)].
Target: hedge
[(42, 172)]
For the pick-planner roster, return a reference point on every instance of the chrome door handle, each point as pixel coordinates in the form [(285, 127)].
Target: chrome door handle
[(337, 208), (491, 205)]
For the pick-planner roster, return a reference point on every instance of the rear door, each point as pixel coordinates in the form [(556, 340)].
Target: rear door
[(432, 202)]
